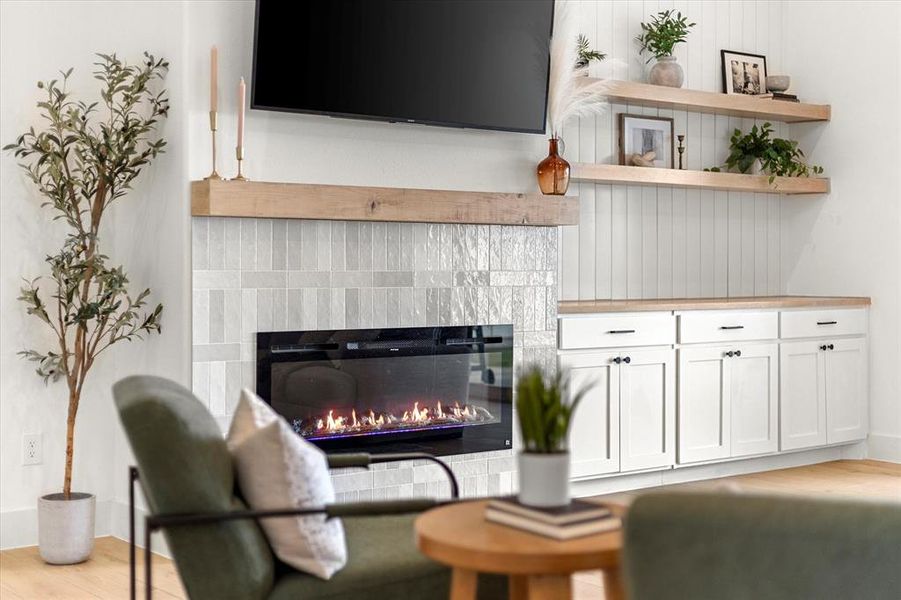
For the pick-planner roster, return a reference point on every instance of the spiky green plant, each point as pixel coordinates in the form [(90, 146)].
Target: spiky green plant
[(660, 36), (83, 160), (545, 415), (585, 52)]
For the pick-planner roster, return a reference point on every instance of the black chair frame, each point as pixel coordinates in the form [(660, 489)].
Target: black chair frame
[(153, 523)]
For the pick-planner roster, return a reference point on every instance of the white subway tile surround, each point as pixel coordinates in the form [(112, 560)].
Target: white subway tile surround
[(273, 274)]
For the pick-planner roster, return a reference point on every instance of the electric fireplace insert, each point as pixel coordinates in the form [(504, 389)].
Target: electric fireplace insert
[(442, 390)]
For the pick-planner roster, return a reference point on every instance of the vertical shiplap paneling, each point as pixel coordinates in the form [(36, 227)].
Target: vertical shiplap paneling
[(640, 242)]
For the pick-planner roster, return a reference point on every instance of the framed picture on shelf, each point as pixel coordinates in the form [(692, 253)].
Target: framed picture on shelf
[(743, 73), (645, 141)]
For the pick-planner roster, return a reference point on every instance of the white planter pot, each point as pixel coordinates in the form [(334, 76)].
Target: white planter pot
[(544, 479), (66, 528), (667, 72)]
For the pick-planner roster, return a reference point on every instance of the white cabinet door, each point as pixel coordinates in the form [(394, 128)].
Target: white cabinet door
[(704, 407), (846, 390), (802, 395), (594, 433), (755, 399), (647, 409)]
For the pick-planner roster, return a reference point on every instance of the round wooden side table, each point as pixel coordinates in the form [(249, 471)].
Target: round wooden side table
[(458, 535)]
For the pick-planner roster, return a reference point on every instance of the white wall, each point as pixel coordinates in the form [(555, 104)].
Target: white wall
[(148, 233), (848, 242)]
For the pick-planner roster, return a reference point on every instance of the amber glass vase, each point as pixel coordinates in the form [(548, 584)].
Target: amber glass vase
[(553, 171)]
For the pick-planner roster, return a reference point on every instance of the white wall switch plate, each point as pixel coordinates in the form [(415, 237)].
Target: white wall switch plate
[(31, 449)]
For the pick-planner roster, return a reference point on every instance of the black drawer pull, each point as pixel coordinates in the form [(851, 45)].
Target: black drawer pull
[(730, 353), (615, 331), (824, 347), (617, 360), (831, 346), (627, 360), (738, 353), (827, 322), (732, 327)]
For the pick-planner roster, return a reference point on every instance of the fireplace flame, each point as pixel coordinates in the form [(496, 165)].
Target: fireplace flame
[(414, 417)]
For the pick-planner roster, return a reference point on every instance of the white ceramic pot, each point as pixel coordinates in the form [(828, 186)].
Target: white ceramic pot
[(666, 71), (544, 479), (66, 528)]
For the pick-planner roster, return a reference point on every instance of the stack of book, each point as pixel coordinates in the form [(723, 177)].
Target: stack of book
[(780, 96), (577, 519)]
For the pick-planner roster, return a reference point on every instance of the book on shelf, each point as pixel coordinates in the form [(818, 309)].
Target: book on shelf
[(779, 96), (577, 519)]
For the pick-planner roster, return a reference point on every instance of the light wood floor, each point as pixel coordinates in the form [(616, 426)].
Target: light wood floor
[(24, 576)]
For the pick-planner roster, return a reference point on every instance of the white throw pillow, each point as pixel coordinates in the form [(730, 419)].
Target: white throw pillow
[(277, 468)]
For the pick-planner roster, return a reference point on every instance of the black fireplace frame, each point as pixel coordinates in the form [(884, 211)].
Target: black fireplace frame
[(335, 344)]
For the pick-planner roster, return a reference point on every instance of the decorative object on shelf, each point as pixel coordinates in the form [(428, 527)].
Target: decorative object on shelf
[(643, 160), (586, 54), (239, 148), (545, 416), (91, 308), (681, 149), (640, 135), (659, 38), (569, 95), (743, 73), (553, 171), (777, 83), (756, 151), (214, 104)]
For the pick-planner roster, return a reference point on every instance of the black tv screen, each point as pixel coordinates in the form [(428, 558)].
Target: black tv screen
[(461, 63)]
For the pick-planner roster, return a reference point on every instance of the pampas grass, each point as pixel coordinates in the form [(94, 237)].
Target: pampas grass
[(569, 93)]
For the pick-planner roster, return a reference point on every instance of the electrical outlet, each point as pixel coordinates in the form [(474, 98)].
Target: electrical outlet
[(31, 449)]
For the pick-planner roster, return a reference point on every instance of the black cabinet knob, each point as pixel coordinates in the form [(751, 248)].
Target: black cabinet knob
[(738, 353), (617, 360), (824, 347), (627, 360), (730, 353), (831, 346)]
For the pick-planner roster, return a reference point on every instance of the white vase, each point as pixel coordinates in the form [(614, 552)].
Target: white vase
[(666, 71), (66, 528), (544, 479)]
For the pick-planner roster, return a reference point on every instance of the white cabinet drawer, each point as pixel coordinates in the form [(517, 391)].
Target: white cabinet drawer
[(617, 330), (829, 322), (727, 326)]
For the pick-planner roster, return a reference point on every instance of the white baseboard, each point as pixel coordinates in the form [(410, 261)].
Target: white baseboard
[(621, 483), (883, 446), (19, 528)]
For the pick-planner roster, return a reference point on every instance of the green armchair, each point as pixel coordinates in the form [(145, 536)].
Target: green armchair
[(713, 546), (186, 472)]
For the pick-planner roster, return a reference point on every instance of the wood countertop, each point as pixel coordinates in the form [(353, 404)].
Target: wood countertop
[(577, 307)]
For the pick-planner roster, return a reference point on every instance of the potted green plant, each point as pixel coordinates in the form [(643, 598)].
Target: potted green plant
[(83, 161), (545, 416), (758, 152), (658, 38), (585, 54)]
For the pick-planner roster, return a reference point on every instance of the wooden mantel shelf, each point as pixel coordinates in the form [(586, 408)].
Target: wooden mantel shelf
[(737, 182), (257, 199), (735, 105)]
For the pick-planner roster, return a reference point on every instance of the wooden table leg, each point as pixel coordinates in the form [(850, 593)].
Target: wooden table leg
[(519, 587), (463, 584), (613, 584), (550, 587)]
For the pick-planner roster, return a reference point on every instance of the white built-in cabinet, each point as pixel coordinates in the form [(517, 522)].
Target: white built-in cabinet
[(681, 388)]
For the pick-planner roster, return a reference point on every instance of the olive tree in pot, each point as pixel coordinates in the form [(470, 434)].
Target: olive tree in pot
[(545, 415), (82, 161)]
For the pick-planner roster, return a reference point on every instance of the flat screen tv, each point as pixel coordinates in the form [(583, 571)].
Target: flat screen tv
[(459, 63)]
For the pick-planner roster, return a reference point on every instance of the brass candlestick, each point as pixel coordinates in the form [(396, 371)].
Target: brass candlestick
[(681, 149), (239, 154), (214, 174)]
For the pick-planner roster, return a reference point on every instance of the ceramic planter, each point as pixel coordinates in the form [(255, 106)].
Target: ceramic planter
[(544, 479), (66, 528), (667, 72)]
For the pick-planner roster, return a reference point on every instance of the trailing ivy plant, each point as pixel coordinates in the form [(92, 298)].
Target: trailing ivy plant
[(778, 157), (666, 29), (585, 53), (544, 414), (83, 160)]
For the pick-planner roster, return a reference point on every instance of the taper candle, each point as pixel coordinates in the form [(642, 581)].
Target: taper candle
[(242, 89), (214, 79)]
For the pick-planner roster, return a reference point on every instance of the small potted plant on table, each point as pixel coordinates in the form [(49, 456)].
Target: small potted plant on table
[(659, 38), (545, 415)]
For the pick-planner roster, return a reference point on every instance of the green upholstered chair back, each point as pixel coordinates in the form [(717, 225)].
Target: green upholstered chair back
[(185, 467), (714, 546)]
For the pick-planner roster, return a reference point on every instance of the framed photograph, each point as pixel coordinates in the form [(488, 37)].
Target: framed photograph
[(640, 136), (743, 73)]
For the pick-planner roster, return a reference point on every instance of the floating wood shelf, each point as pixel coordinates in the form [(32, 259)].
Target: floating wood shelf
[(736, 182), (643, 94), (257, 199)]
